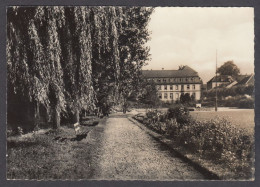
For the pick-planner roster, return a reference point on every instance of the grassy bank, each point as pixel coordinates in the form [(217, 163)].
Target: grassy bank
[(48, 154)]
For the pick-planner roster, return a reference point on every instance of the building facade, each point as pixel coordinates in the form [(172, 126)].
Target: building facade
[(220, 80), (172, 83), (227, 81)]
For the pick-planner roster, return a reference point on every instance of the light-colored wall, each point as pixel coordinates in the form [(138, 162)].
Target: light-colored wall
[(175, 80), (218, 84), (196, 90)]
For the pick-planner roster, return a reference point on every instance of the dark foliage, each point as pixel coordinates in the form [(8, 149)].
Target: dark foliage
[(229, 68), (149, 94), (70, 59), (180, 113)]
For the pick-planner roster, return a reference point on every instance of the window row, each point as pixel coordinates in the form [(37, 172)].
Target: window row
[(171, 95), (177, 87), (164, 80)]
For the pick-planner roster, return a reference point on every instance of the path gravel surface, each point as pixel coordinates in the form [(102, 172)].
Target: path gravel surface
[(127, 152)]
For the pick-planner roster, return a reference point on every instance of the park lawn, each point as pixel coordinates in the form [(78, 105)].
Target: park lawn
[(39, 155), (242, 118)]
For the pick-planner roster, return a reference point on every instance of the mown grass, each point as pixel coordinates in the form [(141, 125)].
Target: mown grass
[(240, 118), (39, 156)]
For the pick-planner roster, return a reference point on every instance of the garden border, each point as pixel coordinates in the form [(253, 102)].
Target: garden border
[(208, 169)]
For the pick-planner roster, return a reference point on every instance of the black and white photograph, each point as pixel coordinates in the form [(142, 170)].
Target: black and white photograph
[(130, 93)]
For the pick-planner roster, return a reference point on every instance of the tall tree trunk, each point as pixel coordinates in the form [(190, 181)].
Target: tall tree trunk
[(36, 114), (76, 116), (56, 119)]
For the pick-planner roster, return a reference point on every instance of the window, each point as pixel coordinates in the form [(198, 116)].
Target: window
[(170, 80), (160, 96), (191, 79), (158, 80), (180, 79), (171, 95), (186, 79), (188, 86), (193, 86), (182, 87), (194, 95), (171, 87), (165, 95), (159, 87), (164, 80), (176, 87), (165, 87), (177, 96)]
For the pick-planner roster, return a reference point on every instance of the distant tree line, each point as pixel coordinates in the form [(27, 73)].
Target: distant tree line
[(63, 60)]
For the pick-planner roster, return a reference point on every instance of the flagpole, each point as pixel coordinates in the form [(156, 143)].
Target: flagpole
[(216, 104)]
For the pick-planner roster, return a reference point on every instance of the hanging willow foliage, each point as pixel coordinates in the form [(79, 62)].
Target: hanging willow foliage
[(133, 52), (122, 52), (73, 58)]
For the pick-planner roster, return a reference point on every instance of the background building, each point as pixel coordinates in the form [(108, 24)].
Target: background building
[(228, 81), (220, 80), (172, 83)]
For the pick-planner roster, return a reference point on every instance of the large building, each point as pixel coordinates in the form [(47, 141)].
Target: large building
[(172, 83)]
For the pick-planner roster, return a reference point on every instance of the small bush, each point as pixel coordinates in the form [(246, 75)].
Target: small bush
[(180, 113), (19, 131), (10, 132), (246, 103)]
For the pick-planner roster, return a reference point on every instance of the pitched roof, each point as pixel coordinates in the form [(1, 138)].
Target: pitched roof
[(248, 79), (239, 78), (221, 78), (186, 71)]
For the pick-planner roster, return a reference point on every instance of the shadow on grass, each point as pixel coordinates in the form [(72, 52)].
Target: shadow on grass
[(24, 144), (77, 138), (89, 123)]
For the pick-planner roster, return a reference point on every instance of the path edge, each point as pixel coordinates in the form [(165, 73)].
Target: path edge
[(205, 170)]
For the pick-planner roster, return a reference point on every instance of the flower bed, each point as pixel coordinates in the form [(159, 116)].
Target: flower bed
[(217, 140)]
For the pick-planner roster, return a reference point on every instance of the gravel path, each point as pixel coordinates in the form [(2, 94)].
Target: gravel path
[(129, 153)]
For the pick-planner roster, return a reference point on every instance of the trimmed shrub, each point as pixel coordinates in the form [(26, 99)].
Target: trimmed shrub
[(180, 113), (246, 103)]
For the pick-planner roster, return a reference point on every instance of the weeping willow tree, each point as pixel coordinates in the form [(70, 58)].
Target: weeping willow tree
[(119, 52), (134, 53), (36, 73), (39, 62), (105, 59), (76, 57), (66, 59)]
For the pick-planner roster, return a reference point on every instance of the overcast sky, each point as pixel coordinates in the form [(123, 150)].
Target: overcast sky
[(190, 36)]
